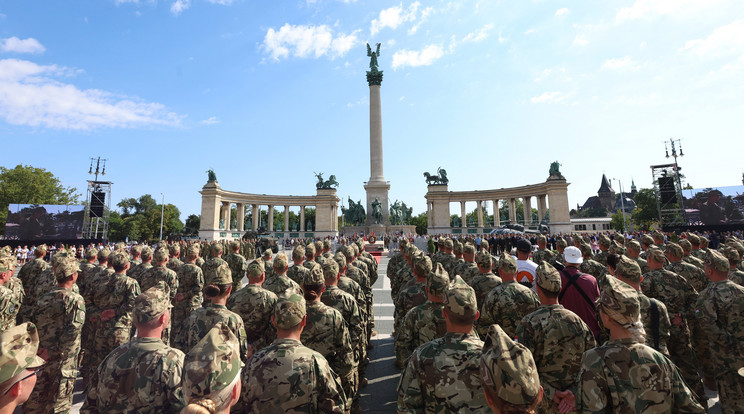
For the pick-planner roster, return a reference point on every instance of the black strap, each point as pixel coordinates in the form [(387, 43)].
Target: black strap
[(655, 323), (572, 282)]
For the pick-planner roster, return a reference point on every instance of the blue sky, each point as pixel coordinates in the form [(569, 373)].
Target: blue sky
[(266, 93)]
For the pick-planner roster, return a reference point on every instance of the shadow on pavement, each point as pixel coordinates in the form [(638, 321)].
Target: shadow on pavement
[(379, 396)]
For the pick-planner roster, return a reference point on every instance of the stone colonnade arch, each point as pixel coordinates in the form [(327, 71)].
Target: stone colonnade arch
[(216, 204), (553, 192)]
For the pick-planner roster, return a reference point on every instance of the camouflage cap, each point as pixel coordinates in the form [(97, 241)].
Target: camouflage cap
[(457, 248), (440, 242), (731, 254), (103, 254), (484, 244), (314, 277), (403, 242), (212, 364), (355, 247), (136, 249), (693, 238), (738, 246), (656, 254), (151, 303), (192, 251), (618, 237), (327, 244), (616, 248), (460, 300), (91, 253), (674, 249), (634, 245), (330, 269), (161, 254), (118, 258), (483, 259), (318, 246), (703, 242), (42, 248), (234, 245), (174, 249), (298, 253), (561, 242), (619, 301), (422, 264), (310, 250), (604, 241), (586, 250), (289, 311), (647, 240), (468, 249), (255, 268), (629, 269), (717, 261), (18, 347), (542, 238), (66, 268), (548, 277), (120, 246), (685, 245), (280, 261), (438, 280), (220, 275), (147, 253), (507, 264), (216, 248), (6, 264), (448, 244), (508, 369)]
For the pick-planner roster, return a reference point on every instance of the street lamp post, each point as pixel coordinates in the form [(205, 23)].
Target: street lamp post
[(162, 213), (622, 204)]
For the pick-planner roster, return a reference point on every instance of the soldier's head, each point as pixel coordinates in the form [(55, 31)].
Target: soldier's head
[(694, 240), (152, 309), (655, 258), (620, 309), (211, 372), (218, 283), (421, 265), (507, 267), (18, 364), (627, 270), (314, 284), (67, 270), (162, 255), (330, 272), (542, 241), (217, 250), (460, 306), (468, 252), (298, 254), (192, 252), (436, 283), (41, 251), (7, 269), (457, 249), (326, 245), (674, 252), (289, 316), (509, 374), (633, 248), (732, 255), (560, 244), (235, 246), (147, 254), (280, 264), (483, 261), (646, 241), (119, 260), (103, 255), (318, 248), (91, 254), (174, 250), (340, 260), (716, 266), (310, 252), (548, 281), (658, 237), (604, 243), (136, 251), (256, 272), (448, 245)]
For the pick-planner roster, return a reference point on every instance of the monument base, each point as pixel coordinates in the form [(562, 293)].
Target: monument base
[(377, 190), (378, 229)]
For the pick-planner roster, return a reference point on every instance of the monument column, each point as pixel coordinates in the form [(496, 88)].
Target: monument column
[(527, 210), (377, 188), (302, 218), (463, 214), (286, 218), (512, 211), (270, 219), (480, 213), (255, 218), (541, 207), (496, 214), (241, 216)]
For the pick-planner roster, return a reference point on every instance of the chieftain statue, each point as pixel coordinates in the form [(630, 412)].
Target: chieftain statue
[(555, 171), (355, 214), (324, 185), (211, 176), (377, 211), (400, 213)]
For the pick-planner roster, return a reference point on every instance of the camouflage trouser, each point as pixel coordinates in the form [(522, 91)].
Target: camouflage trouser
[(237, 284), (179, 314), (682, 355), (702, 348), (52, 393), (350, 385), (730, 391), (87, 341), (106, 340)]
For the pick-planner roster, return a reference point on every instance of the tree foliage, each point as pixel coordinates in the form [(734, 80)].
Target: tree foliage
[(421, 222), (140, 220), (618, 222), (25, 184), (646, 212)]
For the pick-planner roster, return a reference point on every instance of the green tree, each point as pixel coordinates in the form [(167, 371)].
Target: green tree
[(504, 211), (140, 220), (193, 223), (618, 221), (646, 212), (421, 222), (25, 184)]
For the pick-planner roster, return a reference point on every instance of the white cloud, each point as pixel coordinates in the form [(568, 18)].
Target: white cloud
[(480, 35), (210, 121), (16, 45), (425, 57), (530, 31), (549, 97), (394, 17), (646, 9), (424, 16), (307, 41), (623, 63), (30, 95), (221, 2), (724, 40), (561, 12), (580, 40), (179, 6)]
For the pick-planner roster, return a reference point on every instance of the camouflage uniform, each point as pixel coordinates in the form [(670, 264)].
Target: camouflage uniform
[(59, 315), (136, 272), (720, 311), (28, 276), (594, 268), (542, 255), (238, 266), (421, 324), (506, 305), (190, 285), (254, 305), (289, 377), (279, 284), (347, 306), (151, 278), (196, 326), (13, 303), (297, 273), (483, 284)]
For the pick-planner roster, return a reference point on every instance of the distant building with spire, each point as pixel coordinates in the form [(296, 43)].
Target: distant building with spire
[(608, 200)]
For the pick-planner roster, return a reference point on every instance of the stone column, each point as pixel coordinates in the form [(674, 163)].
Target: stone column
[(241, 216), (512, 211), (429, 214), (496, 214), (376, 187), (270, 218), (541, 207), (286, 218), (527, 207), (256, 218), (302, 218), (480, 213), (463, 214), (225, 214)]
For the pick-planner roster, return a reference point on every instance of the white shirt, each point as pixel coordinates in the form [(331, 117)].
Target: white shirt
[(526, 272)]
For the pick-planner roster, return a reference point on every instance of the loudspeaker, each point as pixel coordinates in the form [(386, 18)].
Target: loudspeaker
[(96, 203), (666, 190)]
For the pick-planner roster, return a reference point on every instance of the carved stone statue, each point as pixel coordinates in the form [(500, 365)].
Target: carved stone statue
[(373, 58), (555, 170), (211, 176), (377, 211), (439, 179), (321, 185), (354, 215)]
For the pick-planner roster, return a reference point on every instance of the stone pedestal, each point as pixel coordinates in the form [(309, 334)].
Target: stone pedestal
[(377, 190)]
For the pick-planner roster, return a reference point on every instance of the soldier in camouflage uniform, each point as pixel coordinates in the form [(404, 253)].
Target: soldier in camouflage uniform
[(217, 288), (351, 287), (279, 283), (215, 261), (424, 322), (695, 243), (372, 262), (86, 267), (254, 305), (10, 301), (591, 266), (88, 281), (136, 255), (161, 273), (509, 375), (211, 372), (136, 271), (610, 377), (484, 281), (60, 315), (679, 297), (414, 293), (237, 264), (720, 311), (353, 273), (634, 252), (144, 375), (557, 338), (604, 250), (189, 295), (442, 375), (28, 275), (287, 376), (508, 302), (447, 259), (396, 262), (16, 287), (267, 256), (557, 261), (326, 253), (735, 275), (466, 269), (18, 365), (542, 254), (297, 272), (688, 258), (174, 262)]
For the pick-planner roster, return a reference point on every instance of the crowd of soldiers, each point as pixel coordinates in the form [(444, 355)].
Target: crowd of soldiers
[(639, 326), (165, 332)]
